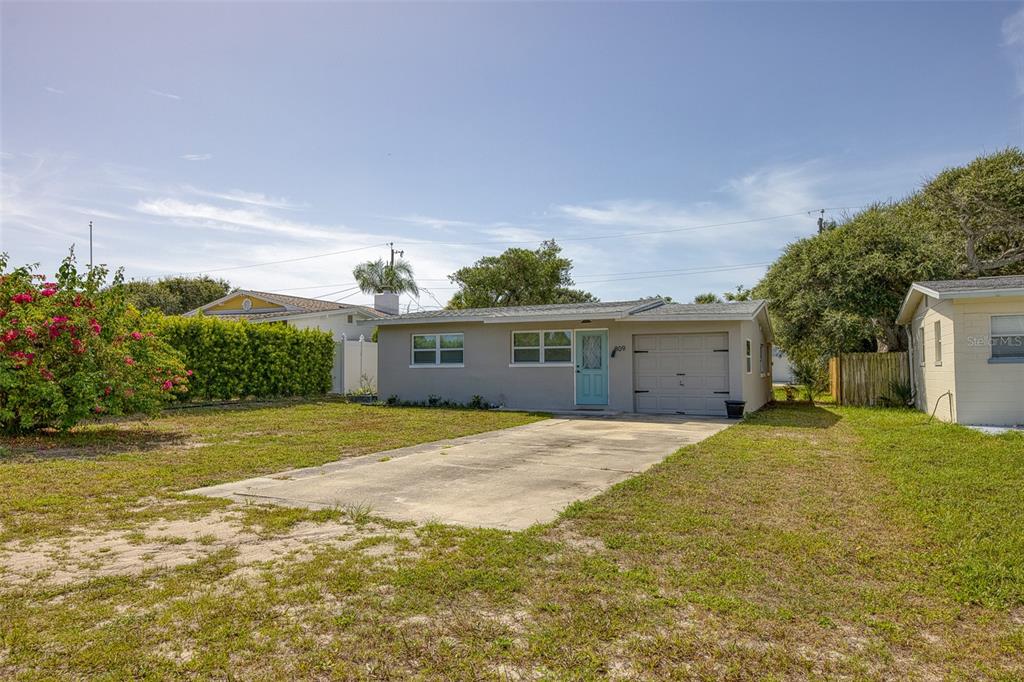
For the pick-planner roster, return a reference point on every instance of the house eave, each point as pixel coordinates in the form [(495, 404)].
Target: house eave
[(917, 292)]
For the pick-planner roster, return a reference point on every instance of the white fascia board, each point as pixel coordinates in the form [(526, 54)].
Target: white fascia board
[(981, 293)]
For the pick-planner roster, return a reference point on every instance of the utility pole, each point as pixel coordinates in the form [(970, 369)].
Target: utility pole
[(393, 252), (90, 245), (821, 222)]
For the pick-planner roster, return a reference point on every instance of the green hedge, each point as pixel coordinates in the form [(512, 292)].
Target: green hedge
[(238, 359)]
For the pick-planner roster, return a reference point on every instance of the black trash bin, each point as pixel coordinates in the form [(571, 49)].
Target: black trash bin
[(734, 408)]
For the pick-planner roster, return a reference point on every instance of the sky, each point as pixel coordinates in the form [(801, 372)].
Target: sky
[(670, 149)]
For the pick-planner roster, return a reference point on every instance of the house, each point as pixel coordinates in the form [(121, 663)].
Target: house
[(782, 369), (625, 356), (355, 359), (967, 348)]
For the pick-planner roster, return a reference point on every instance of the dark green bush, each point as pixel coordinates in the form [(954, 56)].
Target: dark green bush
[(239, 360)]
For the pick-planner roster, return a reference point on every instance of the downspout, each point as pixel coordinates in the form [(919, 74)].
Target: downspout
[(910, 359)]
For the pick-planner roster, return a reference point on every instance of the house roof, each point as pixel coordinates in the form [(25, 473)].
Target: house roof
[(1008, 285), (293, 306), (652, 309)]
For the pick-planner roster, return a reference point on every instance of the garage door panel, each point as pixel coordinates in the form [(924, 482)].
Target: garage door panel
[(685, 373)]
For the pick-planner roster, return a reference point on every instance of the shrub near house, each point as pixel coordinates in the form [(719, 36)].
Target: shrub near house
[(69, 350), (238, 359)]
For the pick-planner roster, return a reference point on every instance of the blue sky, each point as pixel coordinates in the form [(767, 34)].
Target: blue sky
[(205, 136)]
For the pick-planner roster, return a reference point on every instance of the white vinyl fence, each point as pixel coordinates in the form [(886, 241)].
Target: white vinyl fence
[(355, 363)]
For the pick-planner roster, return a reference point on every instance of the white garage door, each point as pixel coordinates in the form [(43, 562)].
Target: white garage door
[(681, 373)]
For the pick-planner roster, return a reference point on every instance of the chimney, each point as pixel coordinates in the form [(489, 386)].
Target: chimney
[(386, 302)]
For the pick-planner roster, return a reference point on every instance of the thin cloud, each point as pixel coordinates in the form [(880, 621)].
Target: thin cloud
[(51, 89), (243, 197), (231, 219), (161, 93), (1013, 41), (197, 157)]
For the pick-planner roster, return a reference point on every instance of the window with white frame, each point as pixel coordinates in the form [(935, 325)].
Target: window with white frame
[(750, 362), (542, 347), (937, 330), (761, 359), (920, 344), (437, 349), (1008, 336)]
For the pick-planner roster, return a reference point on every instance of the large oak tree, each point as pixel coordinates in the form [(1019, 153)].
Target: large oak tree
[(517, 277)]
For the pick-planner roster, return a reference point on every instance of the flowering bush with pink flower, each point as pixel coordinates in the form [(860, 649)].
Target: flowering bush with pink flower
[(71, 348)]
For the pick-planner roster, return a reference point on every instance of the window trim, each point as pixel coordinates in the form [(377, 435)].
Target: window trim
[(748, 354), (437, 351), (937, 342), (923, 360), (993, 358), (542, 348)]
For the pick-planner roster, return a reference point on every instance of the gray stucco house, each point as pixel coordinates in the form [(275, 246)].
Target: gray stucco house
[(624, 356)]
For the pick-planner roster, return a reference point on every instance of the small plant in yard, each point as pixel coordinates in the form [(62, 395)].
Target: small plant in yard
[(811, 374), (367, 387), (901, 394), (358, 514), (71, 348), (790, 391)]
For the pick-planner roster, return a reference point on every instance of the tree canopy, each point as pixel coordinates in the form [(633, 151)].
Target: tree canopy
[(377, 276), (840, 291), (517, 277), (175, 295)]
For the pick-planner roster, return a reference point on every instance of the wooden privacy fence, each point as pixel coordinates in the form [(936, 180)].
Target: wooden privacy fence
[(864, 378)]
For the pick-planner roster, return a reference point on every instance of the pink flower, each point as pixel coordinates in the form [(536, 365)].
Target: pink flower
[(128, 360), (47, 292), (137, 336), (30, 332), (106, 390), (26, 358), (58, 319), (77, 347), (167, 385), (188, 372), (22, 298), (47, 374), (10, 335), (50, 285), (77, 302), (95, 326)]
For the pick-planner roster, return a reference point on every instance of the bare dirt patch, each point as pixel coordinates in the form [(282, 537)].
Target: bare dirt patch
[(168, 544)]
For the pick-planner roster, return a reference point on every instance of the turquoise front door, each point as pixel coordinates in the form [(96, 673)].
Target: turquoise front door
[(592, 368)]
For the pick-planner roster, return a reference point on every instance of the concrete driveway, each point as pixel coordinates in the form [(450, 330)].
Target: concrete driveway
[(508, 479)]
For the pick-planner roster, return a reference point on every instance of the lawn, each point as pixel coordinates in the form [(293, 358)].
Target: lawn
[(803, 542)]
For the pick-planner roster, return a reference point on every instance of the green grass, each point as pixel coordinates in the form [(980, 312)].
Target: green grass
[(118, 475), (804, 542)]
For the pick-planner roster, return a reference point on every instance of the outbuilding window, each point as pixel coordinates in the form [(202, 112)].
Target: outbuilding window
[(542, 347), (937, 328), (750, 361), (920, 343), (1008, 336), (438, 349)]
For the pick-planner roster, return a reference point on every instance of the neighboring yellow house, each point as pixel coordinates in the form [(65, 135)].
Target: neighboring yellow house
[(355, 361), (967, 348)]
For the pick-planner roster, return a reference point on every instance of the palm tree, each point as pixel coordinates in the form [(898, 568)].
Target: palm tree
[(376, 276)]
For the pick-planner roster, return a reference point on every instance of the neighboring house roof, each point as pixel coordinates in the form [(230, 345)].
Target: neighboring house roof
[(288, 306), (1009, 285), (655, 309)]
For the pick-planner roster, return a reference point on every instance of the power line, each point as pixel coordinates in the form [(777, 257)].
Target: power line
[(621, 234), (286, 260), (492, 242)]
